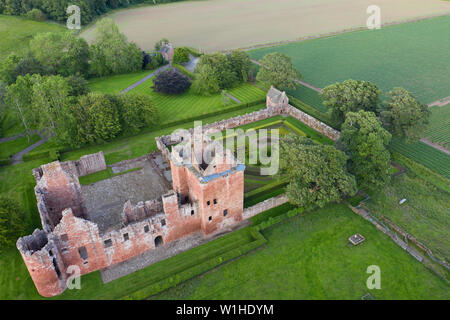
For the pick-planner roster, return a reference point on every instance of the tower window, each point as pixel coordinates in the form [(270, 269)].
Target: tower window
[(215, 201), (146, 229), (210, 218), (192, 212), (163, 222), (83, 253), (208, 202), (126, 237), (108, 243), (225, 212)]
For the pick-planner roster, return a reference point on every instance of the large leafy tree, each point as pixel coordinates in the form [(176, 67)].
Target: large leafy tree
[(11, 222), (404, 116), (111, 53), (277, 70), (205, 82), (181, 55), (18, 99), (317, 173), (8, 67), (171, 82), (105, 117), (219, 68), (365, 141), (62, 53), (241, 64), (350, 96), (137, 111)]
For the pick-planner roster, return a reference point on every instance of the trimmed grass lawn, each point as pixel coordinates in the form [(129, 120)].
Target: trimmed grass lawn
[(12, 147), (424, 154), (308, 96), (116, 83), (309, 257), (424, 214), (16, 32), (412, 55), (187, 105), (438, 130)]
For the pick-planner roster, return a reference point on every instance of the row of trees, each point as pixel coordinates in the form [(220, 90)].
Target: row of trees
[(320, 174), (56, 9), (402, 114), (64, 108), (68, 55)]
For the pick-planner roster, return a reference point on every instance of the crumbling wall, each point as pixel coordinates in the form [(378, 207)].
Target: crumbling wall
[(264, 206), (90, 163), (55, 191), (140, 211)]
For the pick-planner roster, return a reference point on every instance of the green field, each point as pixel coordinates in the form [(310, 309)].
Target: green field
[(187, 105), (309, 257), (16, 32), (10, 148), (116, 83), (424, 154), (438, 130), (424, 214), (412, 55)]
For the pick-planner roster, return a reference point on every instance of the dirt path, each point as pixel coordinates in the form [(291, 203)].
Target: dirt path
[(435, 145), (303, 83), (442, 102), (17, 136)]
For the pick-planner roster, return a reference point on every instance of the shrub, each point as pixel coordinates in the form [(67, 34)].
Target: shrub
[(171, 82), (181, 55), (37, 15)]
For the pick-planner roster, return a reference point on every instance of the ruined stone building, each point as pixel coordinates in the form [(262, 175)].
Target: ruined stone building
[(149, 202)]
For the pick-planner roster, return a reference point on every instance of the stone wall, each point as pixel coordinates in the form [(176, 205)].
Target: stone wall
[(265, 205), (90, 163)]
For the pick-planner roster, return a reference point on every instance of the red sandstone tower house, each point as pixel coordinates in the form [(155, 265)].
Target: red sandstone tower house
[(96, 226)]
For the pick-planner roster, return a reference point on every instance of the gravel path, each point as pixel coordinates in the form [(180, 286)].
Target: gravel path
[(154, 73), (435, 145), (442, 102), (192, 63), (17, 136), (17, 158)]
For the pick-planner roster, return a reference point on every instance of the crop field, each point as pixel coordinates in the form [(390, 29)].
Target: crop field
[(411, 55), (226, 24), (438, 130), (424, 154), (16, 32), (309, 257)]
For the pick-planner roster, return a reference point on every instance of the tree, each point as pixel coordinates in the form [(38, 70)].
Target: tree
[(111, 53), (205, 82), (159, 44), (180, 56), (277, 70), (137, 111), (365, 141), (241, 64), (18, 98), (105, 117), (350, 96), (78, 86), (219, 68), (171, 82), (11, 222), (404, 116), (50, 102), (317, 173), (36, 14), (7, 68), (30, 65), (61, 52)]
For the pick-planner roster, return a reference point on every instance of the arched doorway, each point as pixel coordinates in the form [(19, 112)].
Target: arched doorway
[(158, 241)]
